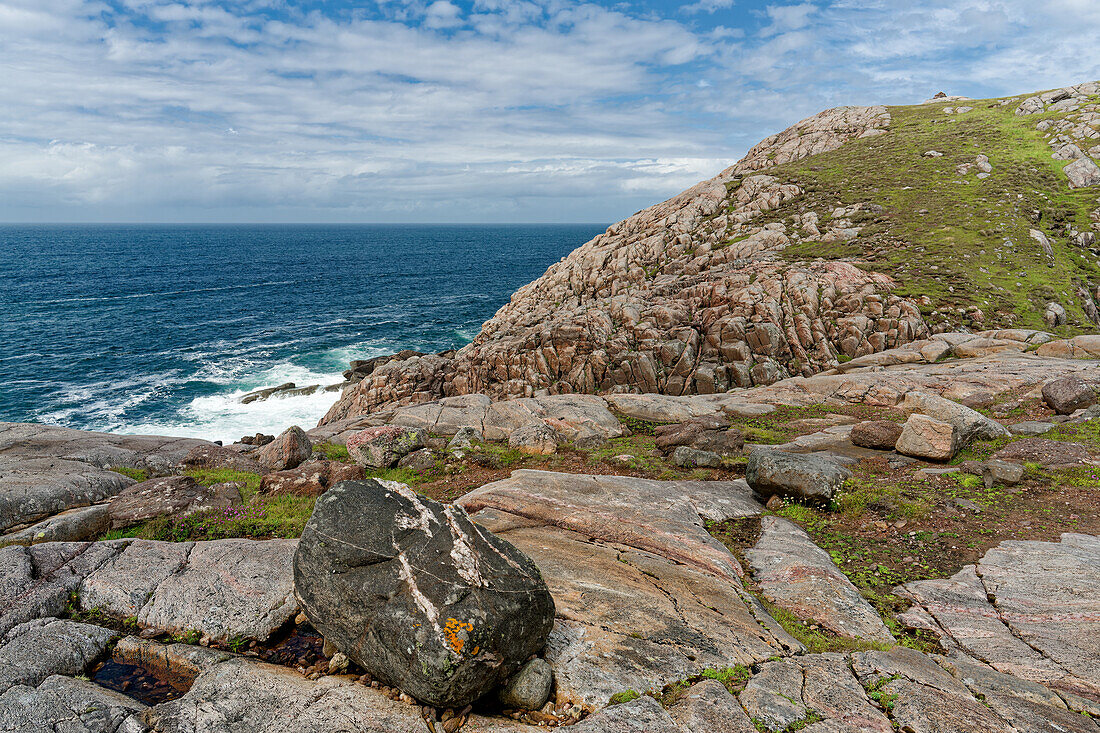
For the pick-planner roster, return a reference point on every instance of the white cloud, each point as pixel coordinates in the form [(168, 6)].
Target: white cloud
[(448, 111), (707, 6)]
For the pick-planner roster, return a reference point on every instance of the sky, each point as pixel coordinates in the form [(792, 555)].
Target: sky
[(448, 111)]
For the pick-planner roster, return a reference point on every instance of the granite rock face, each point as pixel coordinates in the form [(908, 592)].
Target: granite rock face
[(384, 446), (799, 576), (288, 450), (177, 495), (877, 434), (686, 297), (928, 438), (418, 594), (1068, 394), (35, 488)]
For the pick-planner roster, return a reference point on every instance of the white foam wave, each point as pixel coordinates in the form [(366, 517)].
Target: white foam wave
[(160, 293)]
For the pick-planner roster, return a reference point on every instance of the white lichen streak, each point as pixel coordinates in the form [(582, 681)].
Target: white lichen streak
[(424, 519), (462, 552)]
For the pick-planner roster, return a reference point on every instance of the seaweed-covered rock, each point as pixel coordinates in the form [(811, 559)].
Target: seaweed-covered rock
[(417, 594)]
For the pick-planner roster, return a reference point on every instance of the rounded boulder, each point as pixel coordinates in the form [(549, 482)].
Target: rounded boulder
[(417, 594)]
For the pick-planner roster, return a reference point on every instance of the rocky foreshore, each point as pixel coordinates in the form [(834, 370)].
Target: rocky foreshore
[(724, 468)]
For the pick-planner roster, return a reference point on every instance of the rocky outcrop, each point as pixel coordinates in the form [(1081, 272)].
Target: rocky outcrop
[(685, 297)]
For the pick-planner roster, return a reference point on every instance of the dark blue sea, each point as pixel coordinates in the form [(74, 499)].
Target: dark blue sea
[(160, 329)]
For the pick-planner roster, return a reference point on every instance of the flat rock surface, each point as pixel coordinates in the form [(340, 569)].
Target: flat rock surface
[(154, 452), (73, 525), (227, 588), (1043, 622), (32, 489), (663, 517), (800, 577), (67, 705)]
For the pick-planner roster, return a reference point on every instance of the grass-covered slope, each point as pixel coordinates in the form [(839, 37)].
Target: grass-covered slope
[(962, 241)]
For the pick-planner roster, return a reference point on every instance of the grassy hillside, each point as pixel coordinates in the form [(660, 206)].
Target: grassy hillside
[(960, 240)]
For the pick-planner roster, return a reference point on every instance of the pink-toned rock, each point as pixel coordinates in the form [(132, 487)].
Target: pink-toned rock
[(310, 479), (216, 456), (384, 446), (288, 450), (928, 438)]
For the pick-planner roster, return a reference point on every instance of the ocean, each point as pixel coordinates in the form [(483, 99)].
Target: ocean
[(161, 329)]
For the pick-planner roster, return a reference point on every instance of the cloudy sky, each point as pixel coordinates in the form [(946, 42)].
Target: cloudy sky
[(448, 111)]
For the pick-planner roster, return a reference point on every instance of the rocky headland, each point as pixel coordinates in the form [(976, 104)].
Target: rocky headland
[(813, 445)]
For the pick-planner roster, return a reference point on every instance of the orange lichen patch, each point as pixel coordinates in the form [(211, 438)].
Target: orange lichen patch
[(454, 630)]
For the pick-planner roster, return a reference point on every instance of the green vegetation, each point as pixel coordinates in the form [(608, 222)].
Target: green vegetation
[(276, 516), (333, 452), (625, 696), (734, 678), (137, 474), (817, 640), (211, 476), (960, 240)]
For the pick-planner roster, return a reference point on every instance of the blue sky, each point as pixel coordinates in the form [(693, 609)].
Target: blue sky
[(441, 111)]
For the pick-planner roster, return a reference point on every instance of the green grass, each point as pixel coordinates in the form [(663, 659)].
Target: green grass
[(333, 452), (137, 474), (211, 476), (401, 475), (942, 234), (817, 641), (625, 696)]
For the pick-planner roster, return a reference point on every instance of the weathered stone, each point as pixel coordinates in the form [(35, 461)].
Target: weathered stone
[(538, 439), (422, 460), (970, 424), (312, 478), (1068, 394), (228, 588), (32, 651), (32, 489), (103, 450), (641, 715), (383, 447), (529, 688), (797, 575), (464, 440), (928, 438), (808, 477), (180, 495), (877, 434), (1082, 173), (708, 706), (216, 456), (69, 705), (1004, 473), (417, 594), (1030, 427), (123, 584), (74, 525), (686, 457), (179, 664), (288, 450)]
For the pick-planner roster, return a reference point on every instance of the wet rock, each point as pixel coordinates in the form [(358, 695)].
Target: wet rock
[(216, 456), (529, 688), (32, 651), (288, 450), (877, 434), (537, 439), (418, 595), (179, 663), (263, 394), (312, 478), (1068, 394), (179, 495), (808, 477), (384, 446), (928, 438), (686, 457), (797, 575)]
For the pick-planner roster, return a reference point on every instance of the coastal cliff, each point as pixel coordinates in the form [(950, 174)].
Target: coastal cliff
[(854, 231)]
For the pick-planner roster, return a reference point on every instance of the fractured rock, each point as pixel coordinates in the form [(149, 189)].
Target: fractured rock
[(928, 438), (1068, 394), (538, 439), (877, 434), (288, 450), (180, 495), (417, 594), (312, 478)]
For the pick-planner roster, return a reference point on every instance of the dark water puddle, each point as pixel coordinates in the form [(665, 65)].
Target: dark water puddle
[(301, 646), (136, 682)]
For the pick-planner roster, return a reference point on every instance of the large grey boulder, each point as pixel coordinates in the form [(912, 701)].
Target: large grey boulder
[(70, 705), (32, 651), (809, 477), (1082, 172), (417, 594), (74, 525)]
